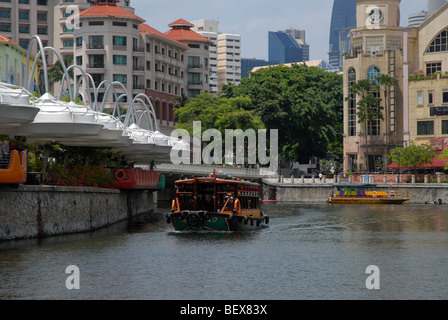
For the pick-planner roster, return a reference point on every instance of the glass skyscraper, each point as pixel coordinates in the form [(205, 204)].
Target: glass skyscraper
[(342, 21), (283, 48)]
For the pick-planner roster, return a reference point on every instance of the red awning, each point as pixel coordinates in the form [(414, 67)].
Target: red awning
[(436, 164)]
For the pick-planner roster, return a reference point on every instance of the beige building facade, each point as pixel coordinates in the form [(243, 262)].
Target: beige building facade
[(412, 110)]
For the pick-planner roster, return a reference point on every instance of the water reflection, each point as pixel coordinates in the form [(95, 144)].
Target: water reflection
[(308, 251)]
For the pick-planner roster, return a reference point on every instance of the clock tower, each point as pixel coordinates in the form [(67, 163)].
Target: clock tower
[(376, 14)]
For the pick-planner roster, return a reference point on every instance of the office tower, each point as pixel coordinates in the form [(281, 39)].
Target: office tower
[(299, 36), (248, 64), (343, 19), (283, 48)]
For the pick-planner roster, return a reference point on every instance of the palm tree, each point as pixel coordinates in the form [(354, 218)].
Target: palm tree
[(56, 72), (369, 108), (387, 82)]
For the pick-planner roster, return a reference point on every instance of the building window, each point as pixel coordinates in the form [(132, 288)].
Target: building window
[(42, 16), (119, 24), (374, 45), (41, 2), (425, 128), (119, 41), (444, 126), (24, 44), (68, 43), (195, 46), (24, 15), (194, 79), (433, 67), (79, 60), (121, 78), (420, 99), (393, 44), (5, 27), (79, 41), (194, 62), (98, 78), (24, 29), (430, 98), (96, 42), (42, 30), (120, 60), (96, 23), (96, 61), (440, 43), (351, 104), (373, 73), (5, 13), (445, 97)]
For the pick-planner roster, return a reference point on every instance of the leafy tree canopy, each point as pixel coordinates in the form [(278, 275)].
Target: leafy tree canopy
[(413, 156), (219, 113), (304, 103)]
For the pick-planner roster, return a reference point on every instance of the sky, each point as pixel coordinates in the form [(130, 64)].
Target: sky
[(252, 19)]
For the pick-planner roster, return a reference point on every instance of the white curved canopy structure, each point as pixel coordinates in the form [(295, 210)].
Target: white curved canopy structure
[(48, 119), (16, 106)]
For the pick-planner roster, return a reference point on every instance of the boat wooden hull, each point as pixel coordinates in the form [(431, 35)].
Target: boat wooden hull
[(367, 200), (212, 221)]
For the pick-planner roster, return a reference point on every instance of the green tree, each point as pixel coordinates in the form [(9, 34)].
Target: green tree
[(303, 103), (218, 112), (414, 156), (56, 72)]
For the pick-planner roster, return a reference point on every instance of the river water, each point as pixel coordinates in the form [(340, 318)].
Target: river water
[(308, 251)]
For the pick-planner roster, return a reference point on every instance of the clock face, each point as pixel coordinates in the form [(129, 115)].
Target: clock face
[(375, 15)]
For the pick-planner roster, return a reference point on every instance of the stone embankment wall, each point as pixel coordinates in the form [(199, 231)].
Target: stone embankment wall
[(35, 211), (319, 193)]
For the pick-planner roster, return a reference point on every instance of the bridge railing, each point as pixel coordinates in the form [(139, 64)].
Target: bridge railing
[(206, 170)]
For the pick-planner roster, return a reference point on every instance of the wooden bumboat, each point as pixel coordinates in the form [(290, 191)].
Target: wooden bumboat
[(216, 204), (350, 195)]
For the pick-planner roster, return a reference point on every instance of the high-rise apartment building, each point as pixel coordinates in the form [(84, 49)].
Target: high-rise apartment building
[(198, 57), (229, 59), (342, 20), (209, 29), (22, 19), (225, 54)]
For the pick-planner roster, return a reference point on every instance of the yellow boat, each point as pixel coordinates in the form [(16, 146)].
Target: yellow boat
[(349, 195)]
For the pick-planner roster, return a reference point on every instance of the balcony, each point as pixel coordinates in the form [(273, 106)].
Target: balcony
[(95, 66), (96, 46), (195, 66), (138, 87), (138, 68), (195, 83)]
